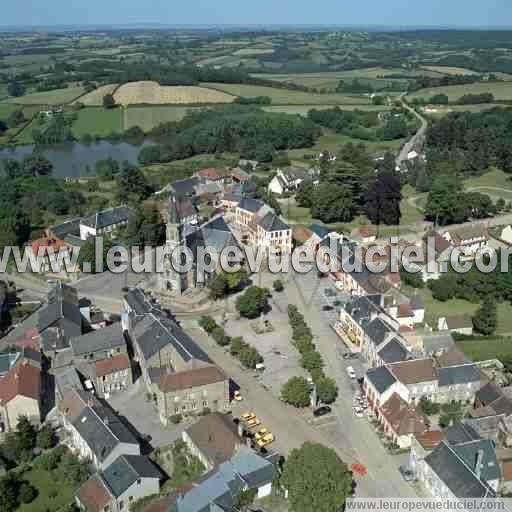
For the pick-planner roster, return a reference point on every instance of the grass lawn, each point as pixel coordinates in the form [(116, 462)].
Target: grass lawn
[(53, 494), (493, 178), (286, 97), (447, 70), (486, 349), (304, 109), (149, 117), (501, 90), (57, 97), (98, 121), (6, 109)]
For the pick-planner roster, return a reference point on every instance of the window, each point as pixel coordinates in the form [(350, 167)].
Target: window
[(205, 403), (139, 481), (130, 498), (184, 408), (176, 410), (121, 505)]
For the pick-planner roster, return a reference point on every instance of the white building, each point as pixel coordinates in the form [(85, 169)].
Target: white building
[(105, 222)]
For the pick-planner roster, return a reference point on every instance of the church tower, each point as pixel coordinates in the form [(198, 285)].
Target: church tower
[(171, 280)]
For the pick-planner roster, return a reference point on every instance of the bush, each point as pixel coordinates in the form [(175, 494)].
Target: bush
[(250, 357), (296, 392), (278, 285), (176, 418), (428, 407), (253, 302), (207, 323), (327, 390), (220, 336), (27, 493)]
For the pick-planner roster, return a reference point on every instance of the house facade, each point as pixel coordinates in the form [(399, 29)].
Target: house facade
[(113, 375), (105, 222)]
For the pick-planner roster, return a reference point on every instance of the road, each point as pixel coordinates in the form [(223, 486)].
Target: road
[(417, 138)]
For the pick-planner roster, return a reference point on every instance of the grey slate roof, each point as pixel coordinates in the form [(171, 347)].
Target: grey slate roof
[(105, 339), (488, 393), (461, 433), (437, 342), (361, 309), (73, 240), (102, 434), (463, 374), (68, 227), (137, 301), (394, 352), (251, 205), (320, 231), (7, 361), (271, 222), (154, 332), (109, 217), (455, 474), (377, 330), (468, 452), (185, 187), (126, 470), (381, 378)]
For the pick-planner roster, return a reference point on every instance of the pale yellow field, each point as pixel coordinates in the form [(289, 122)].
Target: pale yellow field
[(254, 51), (448, 70), (95, 98), (152, 93)]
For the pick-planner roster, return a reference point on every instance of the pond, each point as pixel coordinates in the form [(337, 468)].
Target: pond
[(74, 159)]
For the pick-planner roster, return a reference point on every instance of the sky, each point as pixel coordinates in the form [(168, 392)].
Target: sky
[(481, 13)]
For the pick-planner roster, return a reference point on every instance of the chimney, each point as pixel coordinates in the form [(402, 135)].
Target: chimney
[(479, 465)]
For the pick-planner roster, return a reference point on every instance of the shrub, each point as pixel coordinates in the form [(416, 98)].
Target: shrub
[(250, 357), (296, 392), (278, 285), (207, 323), (27, 493), (176, 418), (220, 336)]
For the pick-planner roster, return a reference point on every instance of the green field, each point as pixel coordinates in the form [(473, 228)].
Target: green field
[(149, 117), (53, 493), (501, 91), (97, 121), (448, 70), (286, 97), (494, 178), (57, 97), (487, 349), (304, 109)]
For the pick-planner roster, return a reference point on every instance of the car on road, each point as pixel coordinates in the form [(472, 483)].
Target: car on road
[(266, 440), (237, 396), (329, 292), (351, 372), (350, 355), (407, 473), (358, 412), (326, 307), (253, 423), (262, 432), (322, 411), (247, 416)]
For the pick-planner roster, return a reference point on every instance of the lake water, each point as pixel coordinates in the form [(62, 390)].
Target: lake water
[(71, 159)]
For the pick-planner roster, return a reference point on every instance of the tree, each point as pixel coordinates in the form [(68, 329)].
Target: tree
[(428, 407), (26, 435), (485, 320), (311, 360), (332, 203), (15, 119), (132, 186), (384, 196), (37, 165), (9, 486), (15, 89), (378, 100), (218, 287), (316, 479), (412, 279), (107, 168), (146, 227), (109, 101), (451, 413), (207, 323), (72, 470), (45, 438), (87, 255), (220, 336), (296, 392), (250, 357), (278, 285), (27, 493), (445, 203), (237, 345), (253, 301), (326, 389), (444, 288)]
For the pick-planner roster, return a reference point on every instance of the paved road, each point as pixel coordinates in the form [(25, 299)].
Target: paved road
[(417, 138)]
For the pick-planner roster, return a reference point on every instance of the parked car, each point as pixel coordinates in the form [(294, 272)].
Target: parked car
[(351, 372), (247, 416), (322, 411), (326, 307), (407, 473), (237, 396), (358, 412)]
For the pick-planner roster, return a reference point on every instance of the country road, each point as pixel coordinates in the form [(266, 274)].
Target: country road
[(416, 138)]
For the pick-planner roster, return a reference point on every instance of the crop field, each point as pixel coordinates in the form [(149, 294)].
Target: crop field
[(304, 109), (97, 121), (152, 93), (253, 51), (149, 117), (6, 109), (57, 97), (95, 98), (286, 97), (448, 70), (501, 90)]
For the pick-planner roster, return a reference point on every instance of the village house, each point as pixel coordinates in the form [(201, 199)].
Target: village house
[(506, 234), (260, 226), (20, 395), (99, 344), (115, 489), (112, 375), (461, 324), (220, 490), (62, 230), (51, 253), (214, 439), (436, 343), (287, 180), (468, 239), (94, 432), (211, 174), (105, 222)]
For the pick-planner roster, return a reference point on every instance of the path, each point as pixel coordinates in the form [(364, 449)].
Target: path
[(417, 138)]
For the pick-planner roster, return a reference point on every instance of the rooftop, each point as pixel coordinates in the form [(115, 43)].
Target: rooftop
[(112, 365), (381, 378), (104, 339), (414, 371), (108, 217), (191, 378)]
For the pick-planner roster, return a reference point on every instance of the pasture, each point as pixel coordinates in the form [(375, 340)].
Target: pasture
[(152, 93), (449, 70), (286, 97), (149, 117), (95, 98), (56, 97), (97, 121), (304, 109), (501, 91)]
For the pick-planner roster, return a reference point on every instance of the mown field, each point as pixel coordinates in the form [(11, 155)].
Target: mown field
[(95, 98), (57, 97), (286, 97), (149, 117), (304, 109), (97, 121), (152, 93), (449, 70), (501, 91)]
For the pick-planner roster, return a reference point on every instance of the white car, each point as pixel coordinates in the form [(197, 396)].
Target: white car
[(351, 372), (358, 412)]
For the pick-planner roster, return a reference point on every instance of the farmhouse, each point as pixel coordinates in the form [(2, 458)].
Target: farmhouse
[(468, 239), (461, 324), (287, 180)]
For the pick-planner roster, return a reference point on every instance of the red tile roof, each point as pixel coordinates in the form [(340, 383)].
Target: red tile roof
[(24, 380), (211, 173), (94, 494), (47, 245), (429, 440), (402, 417), (29, 339), (112, 365), (414, 371), (191, 378), (506, 471)]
